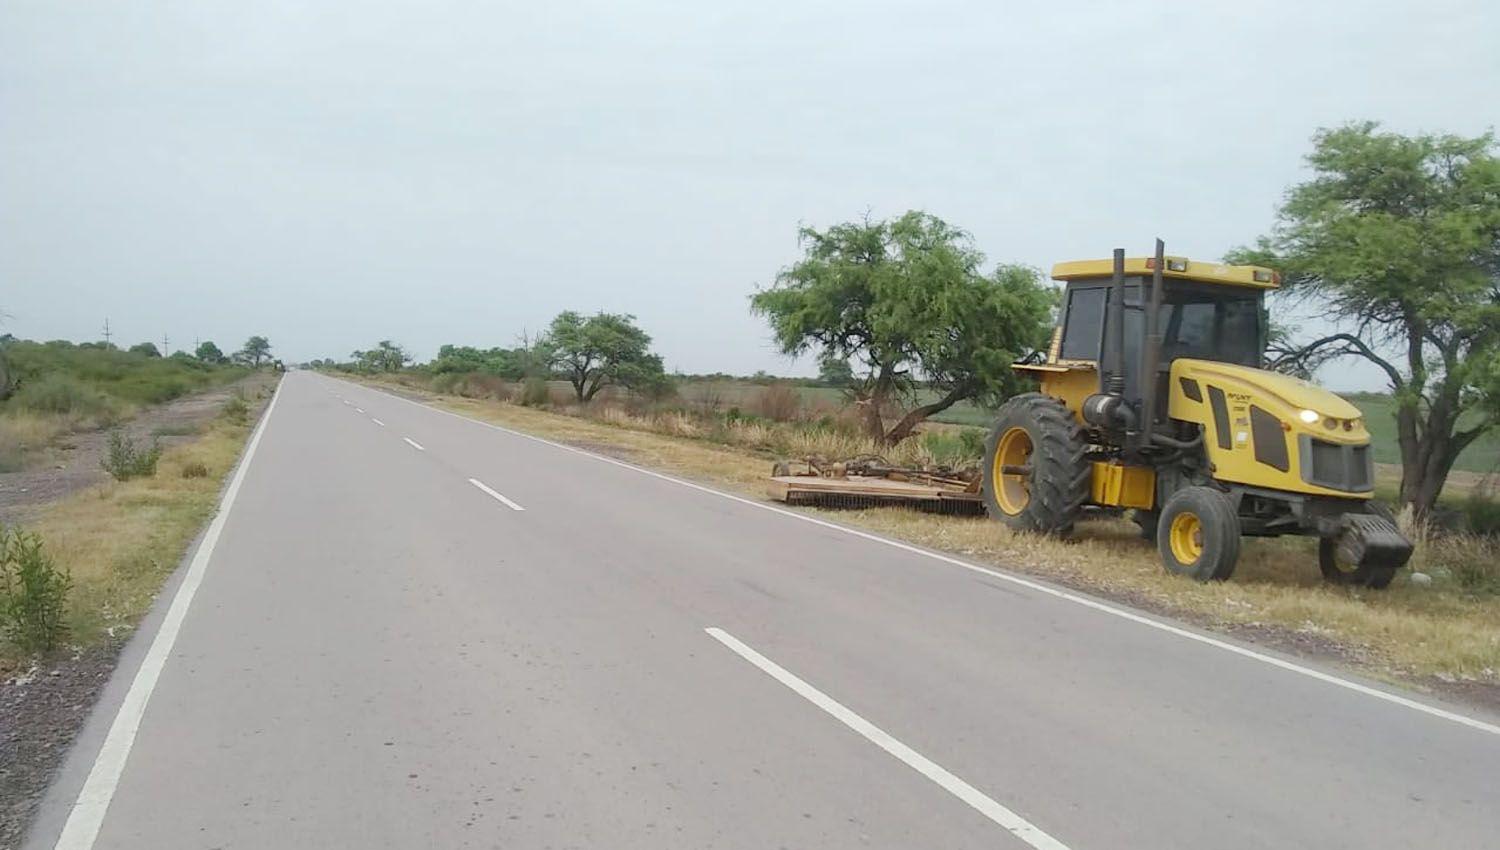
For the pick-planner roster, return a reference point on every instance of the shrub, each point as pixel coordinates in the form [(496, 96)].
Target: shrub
[(235, 410), (1482, 513), (778, 403), (124, 459), (534, 393), (62, 394), (33, 593), (194, 469)]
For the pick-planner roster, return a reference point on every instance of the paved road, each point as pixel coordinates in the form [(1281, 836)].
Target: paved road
[(383, 654)]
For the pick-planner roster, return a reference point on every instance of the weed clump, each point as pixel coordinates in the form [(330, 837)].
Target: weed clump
[(125, 459), (194, 469), (236, 410), (33, 593)]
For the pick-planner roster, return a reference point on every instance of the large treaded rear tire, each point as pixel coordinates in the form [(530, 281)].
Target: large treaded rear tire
[(1050, 499)]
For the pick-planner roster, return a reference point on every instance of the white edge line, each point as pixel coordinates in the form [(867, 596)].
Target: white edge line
[(414, 444), (377, 421), (981, 802), (1244, 652), (87, 814), (508, 503)]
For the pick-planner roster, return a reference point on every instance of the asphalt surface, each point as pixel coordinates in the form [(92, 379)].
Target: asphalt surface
[(383, 654)]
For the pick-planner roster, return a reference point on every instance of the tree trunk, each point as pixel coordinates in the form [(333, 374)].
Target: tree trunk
[(874, 401), (917, 415)]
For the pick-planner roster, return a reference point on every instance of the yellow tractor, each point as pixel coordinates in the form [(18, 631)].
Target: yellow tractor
[(1152, 399)]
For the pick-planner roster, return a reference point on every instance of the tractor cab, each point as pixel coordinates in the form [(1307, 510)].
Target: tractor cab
[(1207, 311)]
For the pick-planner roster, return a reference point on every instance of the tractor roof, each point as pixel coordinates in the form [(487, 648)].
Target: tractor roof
[(1256, 277)]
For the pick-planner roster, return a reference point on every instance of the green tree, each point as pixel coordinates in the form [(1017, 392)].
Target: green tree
[(147, 349), (834, 370), (387, 356), (208, 352), (907, 300), (505, 362), (1401, 236), (601, 350), (256, 352)]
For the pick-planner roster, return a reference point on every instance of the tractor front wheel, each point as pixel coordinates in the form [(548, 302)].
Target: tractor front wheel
[(1198, 534), (1036, 478), (1336, 570)]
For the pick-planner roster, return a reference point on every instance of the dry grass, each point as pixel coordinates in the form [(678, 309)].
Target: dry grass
[(23, 433), (119, 541), (1449, 629)]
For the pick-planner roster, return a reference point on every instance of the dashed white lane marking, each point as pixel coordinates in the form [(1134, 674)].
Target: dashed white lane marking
[(983, 803), (359, 410), (348, 402), (414, 444), (1077, 599), (507, 502), (377, 421), (87, 814)]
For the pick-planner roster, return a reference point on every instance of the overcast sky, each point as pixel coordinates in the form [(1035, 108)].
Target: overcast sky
[(331, 174)]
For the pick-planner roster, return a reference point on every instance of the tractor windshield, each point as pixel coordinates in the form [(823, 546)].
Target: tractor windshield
[(1200, 321)]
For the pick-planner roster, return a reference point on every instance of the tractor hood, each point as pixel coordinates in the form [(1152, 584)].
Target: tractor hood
[(1295, 393)]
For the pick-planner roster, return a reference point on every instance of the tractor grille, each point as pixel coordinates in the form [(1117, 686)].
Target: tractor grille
[(1337, 466)]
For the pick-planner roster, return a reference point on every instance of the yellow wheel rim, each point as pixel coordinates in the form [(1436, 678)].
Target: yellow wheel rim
[(1186, 537), (1012, 490)]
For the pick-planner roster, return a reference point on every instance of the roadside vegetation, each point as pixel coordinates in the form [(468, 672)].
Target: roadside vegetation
[(56, 388), (87, 565), (111, 546)]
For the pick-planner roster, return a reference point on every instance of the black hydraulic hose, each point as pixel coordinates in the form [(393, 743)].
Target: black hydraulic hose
[(1173, 443)]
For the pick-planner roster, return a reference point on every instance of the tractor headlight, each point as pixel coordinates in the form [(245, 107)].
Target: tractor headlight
[(1309, 416)]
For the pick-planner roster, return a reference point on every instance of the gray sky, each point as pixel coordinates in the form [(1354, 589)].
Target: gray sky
[(331, 174)]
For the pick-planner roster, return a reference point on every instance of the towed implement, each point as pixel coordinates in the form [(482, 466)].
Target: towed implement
[(1152, 399)]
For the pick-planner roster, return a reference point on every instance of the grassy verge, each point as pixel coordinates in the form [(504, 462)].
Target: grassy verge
[(120, 540), (1449, 630)]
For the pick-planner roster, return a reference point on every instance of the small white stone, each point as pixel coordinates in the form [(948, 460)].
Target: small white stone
[(1421, 579)]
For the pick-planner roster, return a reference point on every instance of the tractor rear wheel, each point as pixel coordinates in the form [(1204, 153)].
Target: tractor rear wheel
[(1198, 534), (1036, 478)]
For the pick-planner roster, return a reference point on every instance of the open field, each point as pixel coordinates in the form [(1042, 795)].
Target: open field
[(1482, 456), (1449, 630)]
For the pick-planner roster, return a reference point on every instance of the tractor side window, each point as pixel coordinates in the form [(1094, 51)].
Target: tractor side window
[(1085, 324), (1189, 329)]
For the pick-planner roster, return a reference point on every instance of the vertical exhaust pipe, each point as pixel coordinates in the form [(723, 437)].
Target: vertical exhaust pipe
[(1151, 351), (1115, 381)]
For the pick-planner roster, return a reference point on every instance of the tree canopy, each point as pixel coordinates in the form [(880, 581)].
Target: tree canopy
[(601, 350), (147, 349), (907, 301), (1400, 235), (208, 352), (509, 363), (256, 352), (386, 356)]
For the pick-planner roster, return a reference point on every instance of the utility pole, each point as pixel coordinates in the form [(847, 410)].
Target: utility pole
[(164, 345), (106, 330)]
